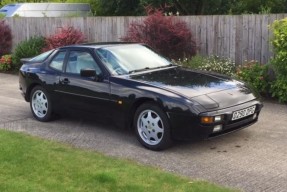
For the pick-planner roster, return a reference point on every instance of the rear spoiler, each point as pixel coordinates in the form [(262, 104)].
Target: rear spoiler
[(25, 60)]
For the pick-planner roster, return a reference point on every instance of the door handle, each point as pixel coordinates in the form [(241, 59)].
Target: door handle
[(65, 81)]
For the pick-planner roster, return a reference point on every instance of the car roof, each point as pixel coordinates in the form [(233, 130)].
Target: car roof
[(100, 45)]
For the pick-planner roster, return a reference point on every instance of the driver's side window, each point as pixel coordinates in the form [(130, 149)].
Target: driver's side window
[(78, 60)]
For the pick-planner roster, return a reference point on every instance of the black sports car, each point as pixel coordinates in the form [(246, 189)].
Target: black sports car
[(136, 87)]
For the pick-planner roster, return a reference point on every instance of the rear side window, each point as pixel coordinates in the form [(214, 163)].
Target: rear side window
[(58, 61), (42, 57)]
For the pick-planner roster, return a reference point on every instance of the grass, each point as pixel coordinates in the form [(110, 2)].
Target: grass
[(31, 164)]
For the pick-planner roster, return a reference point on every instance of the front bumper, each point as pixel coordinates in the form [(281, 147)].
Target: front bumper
[(186, 127)]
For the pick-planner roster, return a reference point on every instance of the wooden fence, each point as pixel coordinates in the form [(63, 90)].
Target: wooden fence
[(240, 37)]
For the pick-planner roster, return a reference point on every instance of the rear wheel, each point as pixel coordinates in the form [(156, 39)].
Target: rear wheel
[(152, 127), (40, 104)]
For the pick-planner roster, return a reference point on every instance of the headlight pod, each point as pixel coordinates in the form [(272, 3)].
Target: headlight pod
[(211, 119)]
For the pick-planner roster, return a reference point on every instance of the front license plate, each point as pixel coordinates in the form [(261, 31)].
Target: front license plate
[(243, 113)]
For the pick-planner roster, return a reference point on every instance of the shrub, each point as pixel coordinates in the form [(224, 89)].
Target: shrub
[(5, 63), (66, 36), (279, 88), (27, 49), (2, 16), (167, 35), (212, 63), (194, 63), (5, 38), (279, 41), (256, 75)]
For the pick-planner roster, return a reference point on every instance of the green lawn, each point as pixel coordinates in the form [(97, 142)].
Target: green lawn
[(31, 164)]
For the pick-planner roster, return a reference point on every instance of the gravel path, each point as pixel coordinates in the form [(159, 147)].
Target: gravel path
[(253, 159)]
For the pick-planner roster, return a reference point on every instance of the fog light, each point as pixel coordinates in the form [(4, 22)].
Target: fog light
[(254, 116), (217, 128), (217, 118)]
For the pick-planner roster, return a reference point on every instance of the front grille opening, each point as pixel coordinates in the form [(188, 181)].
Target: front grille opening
[(236, 127)]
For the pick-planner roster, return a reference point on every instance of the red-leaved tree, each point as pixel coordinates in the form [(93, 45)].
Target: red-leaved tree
[(5, 38), (66, 36), (166, 34)]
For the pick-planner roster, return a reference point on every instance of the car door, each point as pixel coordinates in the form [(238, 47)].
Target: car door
[(84, 93), (53, 73)]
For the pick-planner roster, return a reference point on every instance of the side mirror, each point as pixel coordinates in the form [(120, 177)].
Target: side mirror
[(89, 73)]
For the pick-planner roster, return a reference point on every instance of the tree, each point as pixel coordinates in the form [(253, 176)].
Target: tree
[(190, 7), (184, 7), (215, 7), (258, 6), (5, 2), (119, 7)]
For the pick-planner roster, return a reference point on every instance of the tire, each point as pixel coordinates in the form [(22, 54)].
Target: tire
[(40, 104), (152, 127)]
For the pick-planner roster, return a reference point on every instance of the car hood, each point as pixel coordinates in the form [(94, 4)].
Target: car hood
[(210, 90)]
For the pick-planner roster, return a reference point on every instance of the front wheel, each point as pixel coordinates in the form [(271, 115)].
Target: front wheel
[(152, 127), (40, 104)]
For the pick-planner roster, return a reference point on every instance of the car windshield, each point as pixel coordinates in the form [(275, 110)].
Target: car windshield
[(42, 56), (130, 58)]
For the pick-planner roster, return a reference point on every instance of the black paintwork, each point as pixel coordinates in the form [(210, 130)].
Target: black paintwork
[(184, 95)]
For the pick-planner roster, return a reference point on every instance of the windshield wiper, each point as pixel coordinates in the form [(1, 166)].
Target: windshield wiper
[(147, 68), (138, 70), (169, 65)]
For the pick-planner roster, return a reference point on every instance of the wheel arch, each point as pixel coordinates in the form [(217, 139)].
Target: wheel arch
[(136, 104), (29, 90), (158, 140)]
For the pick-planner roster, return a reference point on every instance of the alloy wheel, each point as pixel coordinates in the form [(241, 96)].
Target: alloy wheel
[(150, 127), (39, 104)]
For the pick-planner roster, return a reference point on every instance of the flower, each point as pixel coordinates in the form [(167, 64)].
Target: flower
[(5, 63)]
